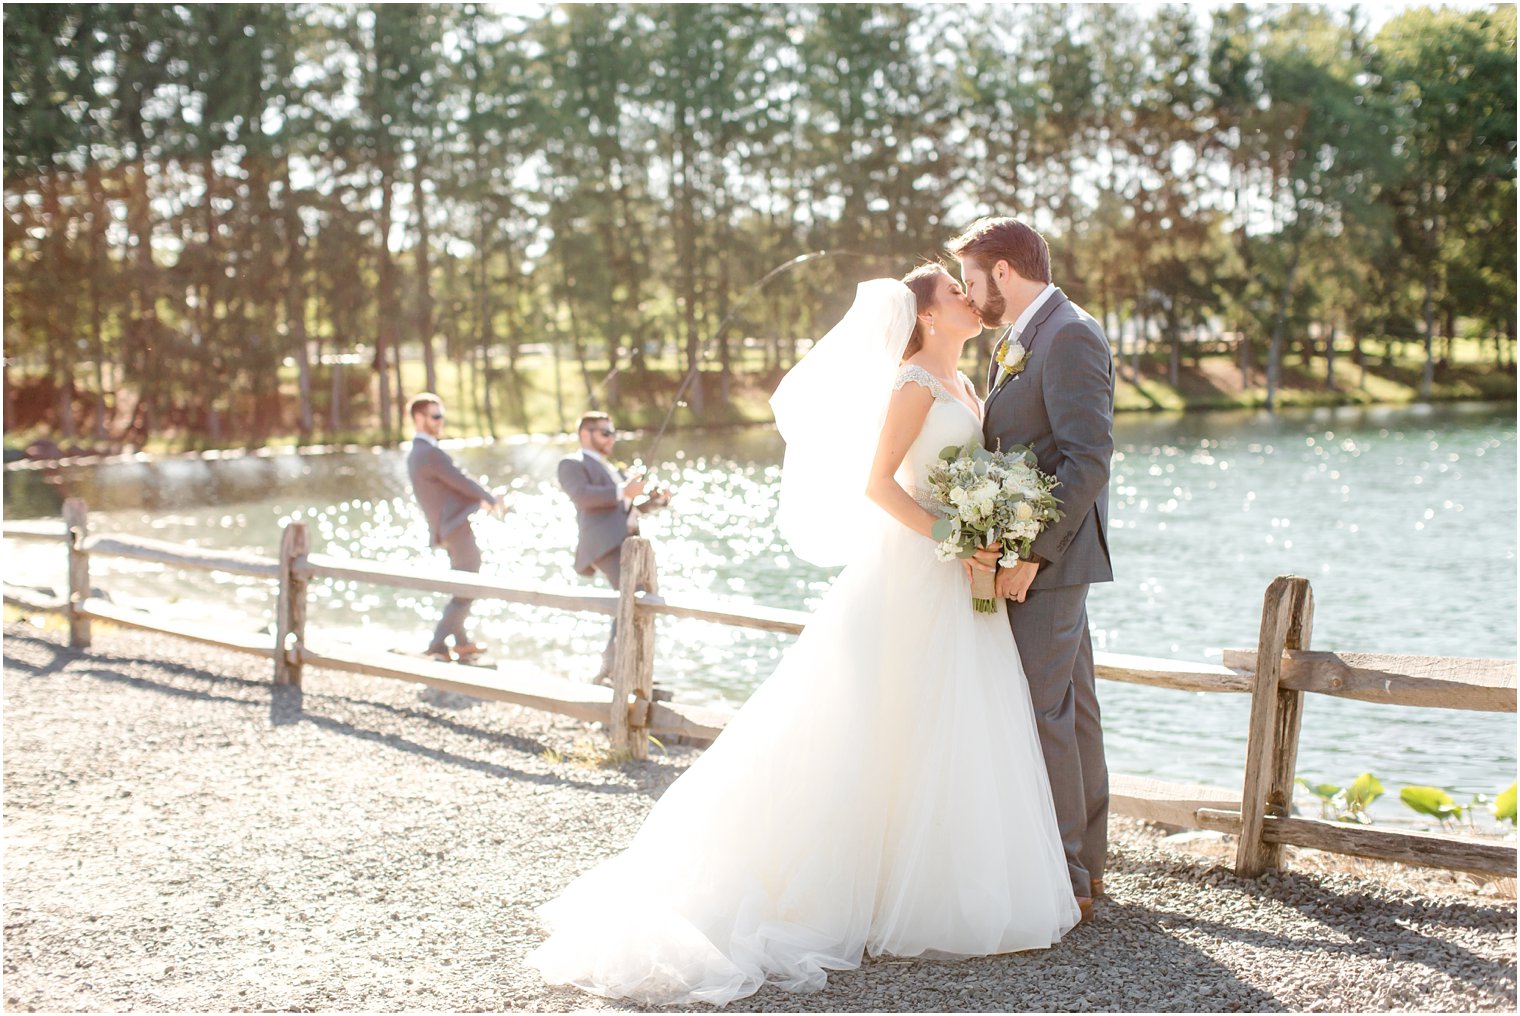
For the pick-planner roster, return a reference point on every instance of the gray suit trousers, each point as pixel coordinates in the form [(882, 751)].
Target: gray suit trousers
[(610, 564), (1050, 627), (464, 555)]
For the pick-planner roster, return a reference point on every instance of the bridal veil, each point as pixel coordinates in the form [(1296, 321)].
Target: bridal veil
[(830, 408)]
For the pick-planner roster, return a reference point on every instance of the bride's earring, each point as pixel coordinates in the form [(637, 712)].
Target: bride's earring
[(931, 327)]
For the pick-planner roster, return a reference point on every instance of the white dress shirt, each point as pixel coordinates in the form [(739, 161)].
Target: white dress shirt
[(1017, 331), (617, 481)]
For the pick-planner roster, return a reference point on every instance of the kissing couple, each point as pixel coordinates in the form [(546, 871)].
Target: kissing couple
[(915, 777)]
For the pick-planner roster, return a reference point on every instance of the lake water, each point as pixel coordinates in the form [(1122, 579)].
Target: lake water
[(1404, 520)]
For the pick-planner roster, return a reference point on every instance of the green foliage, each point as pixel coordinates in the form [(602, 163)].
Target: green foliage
[(1359, 796), (1328, 794), (1349, 803), (1504, 806), (203, 199), (1431, 801)]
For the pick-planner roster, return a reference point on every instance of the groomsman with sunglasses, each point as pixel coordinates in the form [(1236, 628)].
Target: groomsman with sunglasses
[(448, 497), (606, 509)]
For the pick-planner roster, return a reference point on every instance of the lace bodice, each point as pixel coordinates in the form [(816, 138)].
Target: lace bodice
[(950, 422)]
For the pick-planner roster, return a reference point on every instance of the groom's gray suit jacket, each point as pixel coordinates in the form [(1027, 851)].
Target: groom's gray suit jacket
[(1061, 405)]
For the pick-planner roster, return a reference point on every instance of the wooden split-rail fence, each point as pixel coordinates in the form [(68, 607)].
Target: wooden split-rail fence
[(1277, 674)]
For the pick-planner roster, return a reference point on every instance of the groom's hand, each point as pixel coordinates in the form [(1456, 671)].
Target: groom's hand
[(1013, 583)]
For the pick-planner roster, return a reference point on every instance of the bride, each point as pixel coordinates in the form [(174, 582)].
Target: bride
[(883, 791)]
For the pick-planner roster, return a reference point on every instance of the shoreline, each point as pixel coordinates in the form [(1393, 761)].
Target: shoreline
[(182, 836), (276, 450)]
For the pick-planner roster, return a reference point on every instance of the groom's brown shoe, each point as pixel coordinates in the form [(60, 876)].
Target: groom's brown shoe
[(1084, 904)]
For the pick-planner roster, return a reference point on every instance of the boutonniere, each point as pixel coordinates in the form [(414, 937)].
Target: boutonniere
[(1012, 357), (621, 467)]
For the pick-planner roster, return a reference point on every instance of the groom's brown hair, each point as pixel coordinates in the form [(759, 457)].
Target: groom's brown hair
[(988, 241)]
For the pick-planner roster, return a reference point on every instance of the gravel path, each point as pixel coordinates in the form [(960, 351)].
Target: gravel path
[(177, 838)]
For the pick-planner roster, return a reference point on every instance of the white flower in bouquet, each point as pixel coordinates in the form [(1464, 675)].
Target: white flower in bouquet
[(989, 497)]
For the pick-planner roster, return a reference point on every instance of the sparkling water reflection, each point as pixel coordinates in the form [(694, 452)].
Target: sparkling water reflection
[(1404, 520)]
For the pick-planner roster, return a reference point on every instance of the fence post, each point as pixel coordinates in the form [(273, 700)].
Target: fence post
[(290, 619), (1287, 622), (633, 659), (76, 527)]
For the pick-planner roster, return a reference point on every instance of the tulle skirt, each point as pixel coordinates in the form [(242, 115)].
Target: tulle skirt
[(883, 791)]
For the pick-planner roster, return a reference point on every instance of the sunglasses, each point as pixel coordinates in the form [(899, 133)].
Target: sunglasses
[(437, 416), (604, 431)]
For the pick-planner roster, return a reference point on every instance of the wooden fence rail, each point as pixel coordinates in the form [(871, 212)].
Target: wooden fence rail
[(1277, 674)]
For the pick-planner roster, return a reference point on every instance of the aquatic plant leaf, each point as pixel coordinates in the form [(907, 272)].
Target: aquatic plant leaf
[(1504, 806), (1432, 801), (1363, 791)]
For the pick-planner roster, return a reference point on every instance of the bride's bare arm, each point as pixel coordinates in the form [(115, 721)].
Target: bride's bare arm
[(905, 418)]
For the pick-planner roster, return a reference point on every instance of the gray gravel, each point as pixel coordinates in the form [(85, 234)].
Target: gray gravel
[(179, 838)]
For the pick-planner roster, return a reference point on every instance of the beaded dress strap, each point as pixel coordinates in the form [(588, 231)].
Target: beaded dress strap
[(918, 375), (928, 503)]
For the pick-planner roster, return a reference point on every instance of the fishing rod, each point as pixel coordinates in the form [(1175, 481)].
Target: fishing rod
[(696, 366)]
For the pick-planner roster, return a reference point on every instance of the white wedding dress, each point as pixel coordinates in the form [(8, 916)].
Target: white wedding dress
[(883, 791)]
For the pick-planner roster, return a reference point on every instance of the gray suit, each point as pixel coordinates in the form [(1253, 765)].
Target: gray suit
[(447, 497), (1061, 405), (601, 522)]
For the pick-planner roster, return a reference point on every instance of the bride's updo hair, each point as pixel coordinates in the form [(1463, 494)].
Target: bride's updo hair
[(921, 282)]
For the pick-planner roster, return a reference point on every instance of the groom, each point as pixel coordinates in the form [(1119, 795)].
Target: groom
[(1051, 389)]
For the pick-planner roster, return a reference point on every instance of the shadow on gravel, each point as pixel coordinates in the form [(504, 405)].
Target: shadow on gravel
[(645, 778), (290, 705), (1107, 966), (58, 656), (1361, 923)]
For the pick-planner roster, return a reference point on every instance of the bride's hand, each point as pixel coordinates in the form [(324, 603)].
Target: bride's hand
[(985, 559)]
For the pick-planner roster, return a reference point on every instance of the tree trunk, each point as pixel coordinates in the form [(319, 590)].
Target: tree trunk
[(385, 334), (1121, 332), (488, 403), (1359, 357), (686, 247), (725, 341), (424, 270), (1175, 364), (1279, 329), (295, 303), (1427, 374), (1330, 358), (99, 262), (556, 350)]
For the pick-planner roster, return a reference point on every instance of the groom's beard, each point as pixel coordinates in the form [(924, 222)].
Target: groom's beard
[(991, 312)]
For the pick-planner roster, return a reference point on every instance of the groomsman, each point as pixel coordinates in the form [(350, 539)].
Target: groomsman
[(448, 497), (606, 509)]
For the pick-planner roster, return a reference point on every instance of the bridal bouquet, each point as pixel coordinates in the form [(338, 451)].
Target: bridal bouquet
[(989, 497)]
